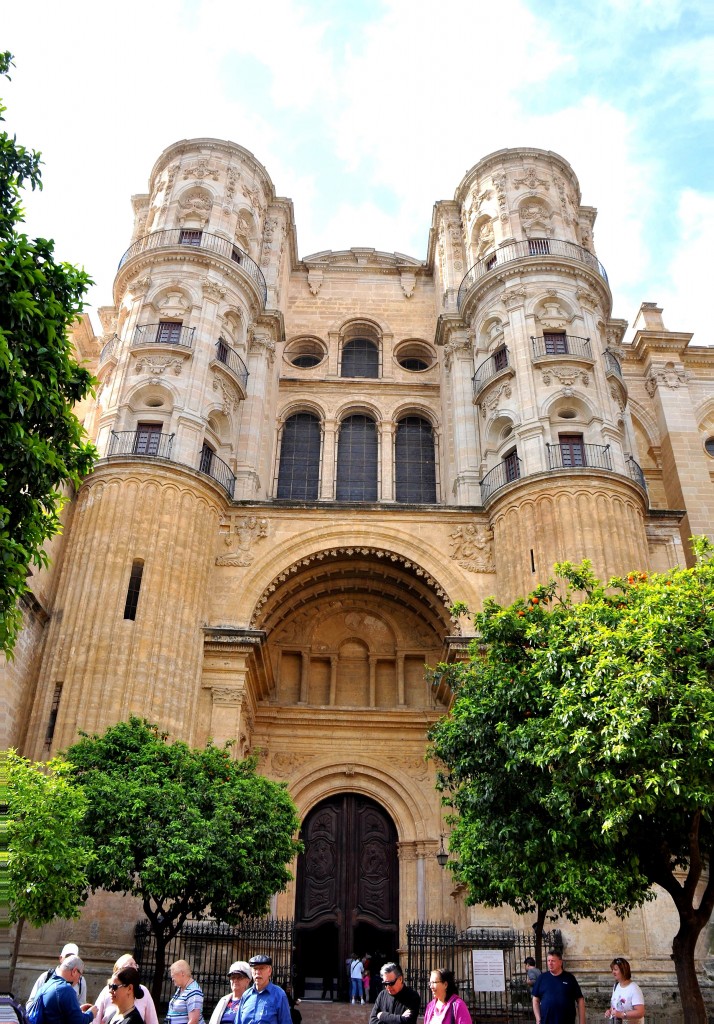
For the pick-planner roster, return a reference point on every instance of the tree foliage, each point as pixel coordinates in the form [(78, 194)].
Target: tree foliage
[(48, 857), (579, 751), (189, 832), (41, 440)]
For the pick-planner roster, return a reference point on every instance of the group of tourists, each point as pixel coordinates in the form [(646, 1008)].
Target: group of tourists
[(59, 995)]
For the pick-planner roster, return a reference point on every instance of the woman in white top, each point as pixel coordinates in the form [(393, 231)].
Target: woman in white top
[(106, 1009), (627, 1001)]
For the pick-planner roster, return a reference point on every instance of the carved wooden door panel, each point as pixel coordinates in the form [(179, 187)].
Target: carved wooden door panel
[(347, 880)]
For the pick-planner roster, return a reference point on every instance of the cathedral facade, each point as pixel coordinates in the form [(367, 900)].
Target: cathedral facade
[(305, 461)]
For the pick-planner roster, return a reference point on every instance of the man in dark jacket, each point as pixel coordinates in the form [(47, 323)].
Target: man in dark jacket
[(59, 1000), (396, 1003)]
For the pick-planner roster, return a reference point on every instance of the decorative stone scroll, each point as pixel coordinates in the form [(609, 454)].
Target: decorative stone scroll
[(200, 170), (531, 180), (668, 376), (239, 534), (566, 375), (472, 548), (228, 392), (158, 365)]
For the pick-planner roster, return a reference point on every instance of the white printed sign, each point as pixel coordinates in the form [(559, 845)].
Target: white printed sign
[(489, 972)]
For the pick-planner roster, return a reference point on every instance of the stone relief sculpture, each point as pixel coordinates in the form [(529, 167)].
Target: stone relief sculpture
[(239, 534), (472, 547)]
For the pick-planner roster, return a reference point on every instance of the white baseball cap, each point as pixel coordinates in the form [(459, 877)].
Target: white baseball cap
[(70, 949)]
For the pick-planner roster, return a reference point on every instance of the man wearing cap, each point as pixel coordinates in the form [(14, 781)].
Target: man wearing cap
[(241, 978), (80, 987), (263, 1002)]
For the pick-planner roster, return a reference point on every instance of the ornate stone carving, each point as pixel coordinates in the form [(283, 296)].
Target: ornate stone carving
[(157, 365), (617, 397), (414, 767), (228, 392), (514, 297), (284, 764), (227, 695), (212, 289), (587, 298), (314, 280), (201, 170), (472, 547), (239, 534), (408, 283), (530, 179), (253, 197), (499, 183), (566, 375), (139, 286), (232, 177), (668, 375), (262, 343), (460, 344), (492, 399)]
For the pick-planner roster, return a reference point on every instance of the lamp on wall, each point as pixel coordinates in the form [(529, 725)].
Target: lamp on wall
[(442, 856)]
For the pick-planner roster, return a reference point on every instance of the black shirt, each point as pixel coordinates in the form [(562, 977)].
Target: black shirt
[(393, 1006)]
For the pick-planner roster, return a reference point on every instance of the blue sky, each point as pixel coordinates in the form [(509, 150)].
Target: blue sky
[(366, 112)]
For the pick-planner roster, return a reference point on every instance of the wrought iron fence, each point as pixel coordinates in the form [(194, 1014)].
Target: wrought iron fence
[(108, 349), (201, 240), (612, 364), (210, 948), (141, 443), (214, 466), (579, 456), (166, 333), (433, 944), (533, 247), (496, 362), (231, 359), (561, 345), (635, 473), (500, 475)]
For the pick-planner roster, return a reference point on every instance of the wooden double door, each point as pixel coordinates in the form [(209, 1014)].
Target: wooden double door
[(347, 890)]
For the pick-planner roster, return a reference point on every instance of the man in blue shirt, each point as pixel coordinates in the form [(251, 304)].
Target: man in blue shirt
[(557, 995), (264, 1003), (59, 1000)]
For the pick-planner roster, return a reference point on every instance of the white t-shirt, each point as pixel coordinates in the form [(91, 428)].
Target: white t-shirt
[(626, 997), (356, 969)]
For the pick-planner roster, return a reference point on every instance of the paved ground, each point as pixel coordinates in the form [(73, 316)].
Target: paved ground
[(323, 1012)]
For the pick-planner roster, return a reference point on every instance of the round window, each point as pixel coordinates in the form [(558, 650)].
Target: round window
[(305, 353), (416, 356), (709, 446)]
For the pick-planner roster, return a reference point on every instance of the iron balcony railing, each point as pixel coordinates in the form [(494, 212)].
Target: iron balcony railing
[(108, 349), (529, 247), (164, 334), (496, 362), (561, 345), (579, 456), (141, 443), (231, 359), (635, 473), (213, 466), (612, 364), (172, 237), (504, 473)]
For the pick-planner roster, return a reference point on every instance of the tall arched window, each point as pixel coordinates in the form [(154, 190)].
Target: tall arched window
[(360, 358), (357, 460), (299, 474), (414, 461)]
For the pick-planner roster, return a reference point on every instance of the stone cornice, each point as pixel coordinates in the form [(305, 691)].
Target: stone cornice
[(230, 149), (363, 260), (668, 342)]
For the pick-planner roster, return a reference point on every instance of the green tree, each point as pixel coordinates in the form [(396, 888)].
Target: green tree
[(41, 440), (189, 832), (607, 716), (46, 856)]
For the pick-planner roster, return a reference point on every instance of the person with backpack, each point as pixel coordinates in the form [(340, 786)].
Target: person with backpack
[(70, 949), (56, 1002)]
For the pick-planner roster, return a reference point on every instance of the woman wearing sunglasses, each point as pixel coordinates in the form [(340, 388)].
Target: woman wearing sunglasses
[(125, 989), (144, 1004)]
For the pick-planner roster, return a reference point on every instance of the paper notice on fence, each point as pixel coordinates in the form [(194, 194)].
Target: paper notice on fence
[(489, 973)]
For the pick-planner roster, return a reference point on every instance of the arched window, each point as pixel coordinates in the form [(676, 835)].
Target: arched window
[(299, 474), (360, 358), (357, 460), (414, 462)]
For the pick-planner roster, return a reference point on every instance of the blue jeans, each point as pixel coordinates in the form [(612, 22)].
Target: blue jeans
[(357, 989)]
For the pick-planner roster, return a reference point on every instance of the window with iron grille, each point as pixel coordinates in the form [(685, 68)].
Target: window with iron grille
[(132, 592), (572, 450), (511, 465), (357, 460), (221, 351), (500, 358), (148, 439), (190, 236), (538, 246), (360, 358), (414, 462), (556, 343), (169, 332), (299, 473)]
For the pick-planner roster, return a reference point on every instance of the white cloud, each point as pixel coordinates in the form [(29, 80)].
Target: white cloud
[(686, 301)]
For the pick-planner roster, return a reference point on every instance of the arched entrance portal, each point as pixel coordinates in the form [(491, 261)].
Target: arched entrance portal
[(347, 888)]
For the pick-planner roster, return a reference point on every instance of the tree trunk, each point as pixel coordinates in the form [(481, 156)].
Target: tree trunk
[(157, 980), (538, 936), (17, 928), (683, 948)]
